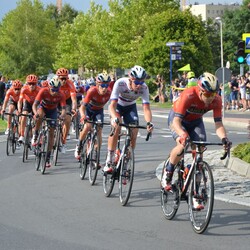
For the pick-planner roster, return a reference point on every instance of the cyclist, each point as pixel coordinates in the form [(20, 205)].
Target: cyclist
[(192, 81), (185, 121), (26, 100), (46, 104), (68, 88), (123, 98), (92, 108), (11, 98)]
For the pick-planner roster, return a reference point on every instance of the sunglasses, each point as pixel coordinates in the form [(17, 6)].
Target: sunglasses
[(137, 82), (63, 78), (55, 90), (31, 83), (104, 85), (17, 89), (209, 95)]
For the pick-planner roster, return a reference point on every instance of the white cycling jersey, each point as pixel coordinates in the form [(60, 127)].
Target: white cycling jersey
[(125, 95)]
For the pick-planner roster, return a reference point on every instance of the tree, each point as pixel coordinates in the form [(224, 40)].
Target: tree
[(27, 40), (175, 26)]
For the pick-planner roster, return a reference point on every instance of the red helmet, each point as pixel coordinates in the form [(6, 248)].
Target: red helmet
[(62, 72), (17, 84), (45, 83), (31, 79)]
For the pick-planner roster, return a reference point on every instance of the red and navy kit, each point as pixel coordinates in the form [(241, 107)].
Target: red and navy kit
[(12, 95), (48, 101), (28, 95), (94, 100), (190, 107), (68, 89)]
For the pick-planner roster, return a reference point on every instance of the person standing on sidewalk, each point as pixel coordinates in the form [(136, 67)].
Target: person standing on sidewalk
[(185, 121)]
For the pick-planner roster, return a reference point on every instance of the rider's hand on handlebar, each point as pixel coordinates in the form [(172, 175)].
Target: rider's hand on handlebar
[(226, 143), (73, 112), (150, 127), (84, 118), (183, 138), (115, 122), (36, 116)]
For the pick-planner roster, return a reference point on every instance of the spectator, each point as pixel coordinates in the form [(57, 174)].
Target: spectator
[(160, 83), (2, 90), (234, 86)]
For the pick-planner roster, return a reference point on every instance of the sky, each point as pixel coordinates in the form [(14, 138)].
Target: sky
[(83, 5)]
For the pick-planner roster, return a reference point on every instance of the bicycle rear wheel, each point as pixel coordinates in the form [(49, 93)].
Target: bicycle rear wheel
[(203, 191), (126, 175), (45, 145), (26, 145), (84, 160), (9, 142), (94, 160), (56, 146), (170, 200)]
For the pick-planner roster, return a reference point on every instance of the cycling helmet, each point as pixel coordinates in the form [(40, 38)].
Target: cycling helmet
[(62, 72), (103, 78), (16, 84), (137, 72), (208, 82), (190, 75), (31, 79), (54, 82)]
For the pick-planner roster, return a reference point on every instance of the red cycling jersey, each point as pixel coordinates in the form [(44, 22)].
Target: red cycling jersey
[(29, 95), (12, 94), (95, 100), (190, 107), (48, 101), (68, 89)]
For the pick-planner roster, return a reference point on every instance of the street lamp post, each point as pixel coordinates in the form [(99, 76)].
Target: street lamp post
[(218, 19)]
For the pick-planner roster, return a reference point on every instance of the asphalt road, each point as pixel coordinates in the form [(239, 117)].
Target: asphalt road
[(59, 211)]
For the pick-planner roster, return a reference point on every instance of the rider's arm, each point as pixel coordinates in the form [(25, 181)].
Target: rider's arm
[(112, 109), (74, 102), (220, 130), (34, 106), (147, 113)]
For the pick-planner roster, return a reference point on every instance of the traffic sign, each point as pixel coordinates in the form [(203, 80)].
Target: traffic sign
[(248, 59), (246, 38), (227, 74)]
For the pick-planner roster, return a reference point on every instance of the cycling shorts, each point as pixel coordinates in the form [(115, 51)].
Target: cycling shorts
[(94, 115), (129, 113), (195, 128)]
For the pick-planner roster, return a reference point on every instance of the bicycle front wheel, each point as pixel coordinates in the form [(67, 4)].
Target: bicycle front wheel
[(126, 175), (170, 200), (9, 142), (201, 192), (44, 153), (94, 160), (56, 146), (26, 145), (38, 152)]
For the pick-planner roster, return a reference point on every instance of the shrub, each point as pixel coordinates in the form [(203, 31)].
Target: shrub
[(242, 151)]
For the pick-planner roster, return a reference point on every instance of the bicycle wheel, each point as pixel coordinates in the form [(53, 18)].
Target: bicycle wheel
[(94, 160), (56, 146), (203, 191), (126, 175), (9, 142), (170, 200), (108, 182), (45, 145), (14, 138), (84, 160), (38, 152), (77, 124), (26, 145)]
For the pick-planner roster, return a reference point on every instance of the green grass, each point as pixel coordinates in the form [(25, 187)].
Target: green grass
[(242, 151), (157, 104), (2, 125)]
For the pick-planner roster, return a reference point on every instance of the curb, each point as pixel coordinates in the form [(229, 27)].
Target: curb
[(238, 166), (227, 123)]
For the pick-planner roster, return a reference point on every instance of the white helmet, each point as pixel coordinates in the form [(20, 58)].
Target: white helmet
[(208, 82), (137, 72), (54, 82)]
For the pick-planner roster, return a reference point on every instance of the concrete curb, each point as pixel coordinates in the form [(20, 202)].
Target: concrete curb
[(234, 124)]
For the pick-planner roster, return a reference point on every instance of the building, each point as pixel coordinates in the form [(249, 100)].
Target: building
[(210, 10)]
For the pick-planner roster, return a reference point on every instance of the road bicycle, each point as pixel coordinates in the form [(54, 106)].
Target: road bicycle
[(57, 141), (27, 136), (12, 136), (191, 183), (124, 166), (42, 147), (90, 152)]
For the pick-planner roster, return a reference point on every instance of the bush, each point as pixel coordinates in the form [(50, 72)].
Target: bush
[(242, 151)]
